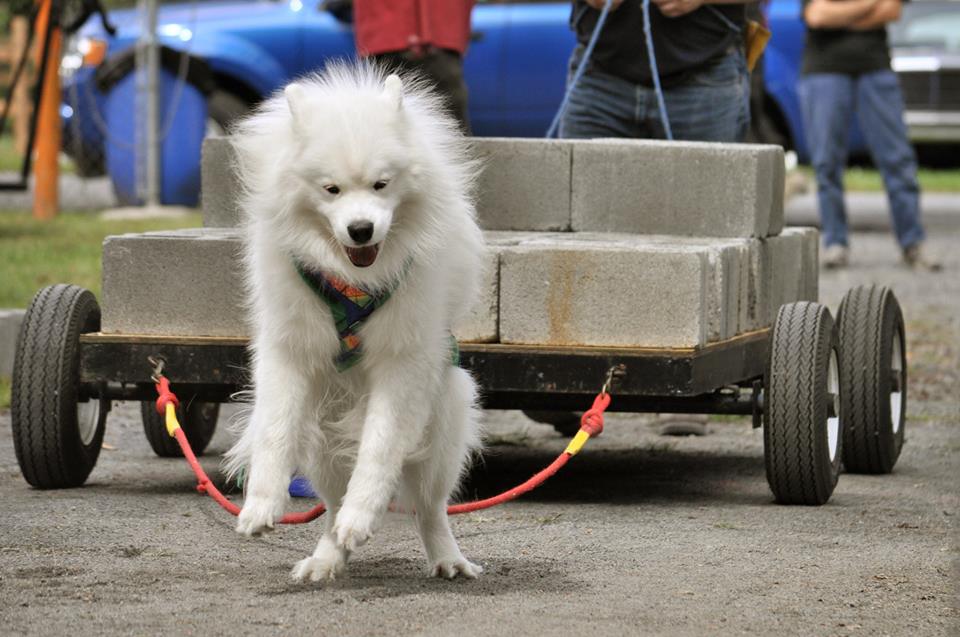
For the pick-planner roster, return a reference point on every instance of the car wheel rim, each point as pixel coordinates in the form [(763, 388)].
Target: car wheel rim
[(833, 390), (88, 415), (896, 387)]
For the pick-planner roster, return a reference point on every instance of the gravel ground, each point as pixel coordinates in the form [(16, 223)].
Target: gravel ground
[(640, 534)]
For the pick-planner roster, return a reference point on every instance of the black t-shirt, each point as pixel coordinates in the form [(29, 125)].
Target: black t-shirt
[(681, 45), (845, 50)]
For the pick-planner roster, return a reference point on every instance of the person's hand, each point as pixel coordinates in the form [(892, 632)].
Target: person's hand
[(677, 8), (599, 4)]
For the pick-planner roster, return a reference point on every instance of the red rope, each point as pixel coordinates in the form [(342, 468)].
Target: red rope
[(591, 424)]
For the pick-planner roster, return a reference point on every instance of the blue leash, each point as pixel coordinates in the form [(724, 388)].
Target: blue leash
[(661, 105), (555, 124), (654, 72)]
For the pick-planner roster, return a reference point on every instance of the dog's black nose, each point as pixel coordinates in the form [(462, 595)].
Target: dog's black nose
[(360, 231)]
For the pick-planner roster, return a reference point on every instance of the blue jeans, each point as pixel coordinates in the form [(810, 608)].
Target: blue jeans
[(712, 104), (828, 102)]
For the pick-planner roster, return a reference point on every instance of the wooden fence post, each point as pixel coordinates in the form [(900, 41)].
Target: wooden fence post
[(20, 108)]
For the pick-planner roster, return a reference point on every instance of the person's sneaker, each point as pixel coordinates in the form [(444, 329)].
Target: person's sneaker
[(836, 256), (917, 257)]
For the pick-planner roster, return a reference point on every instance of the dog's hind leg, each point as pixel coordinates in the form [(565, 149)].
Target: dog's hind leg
[(328, 560), (429, 481)]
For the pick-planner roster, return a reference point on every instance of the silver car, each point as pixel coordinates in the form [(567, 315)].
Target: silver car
[(926, 56)]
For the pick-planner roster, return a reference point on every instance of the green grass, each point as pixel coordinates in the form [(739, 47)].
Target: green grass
[(10, 159), (66, 250), (868, 179)]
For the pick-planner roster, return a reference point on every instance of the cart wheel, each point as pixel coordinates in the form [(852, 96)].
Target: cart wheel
[(198, 423), (802, 430), (56, 433), (873, 375)]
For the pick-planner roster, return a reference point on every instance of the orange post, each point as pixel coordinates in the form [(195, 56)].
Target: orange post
[(46, 195)]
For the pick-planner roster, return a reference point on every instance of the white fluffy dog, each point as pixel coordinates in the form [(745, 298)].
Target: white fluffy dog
[(357, 185)]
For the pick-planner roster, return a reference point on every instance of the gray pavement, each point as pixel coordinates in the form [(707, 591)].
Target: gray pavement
[(76, 194), (639, 534)]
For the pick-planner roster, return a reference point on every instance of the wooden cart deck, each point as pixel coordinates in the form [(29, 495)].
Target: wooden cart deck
[(510, 376)]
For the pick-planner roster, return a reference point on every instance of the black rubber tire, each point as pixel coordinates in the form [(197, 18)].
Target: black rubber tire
[(870, 326), (198, 421), (47, 435), (225, 108), (797, 405)]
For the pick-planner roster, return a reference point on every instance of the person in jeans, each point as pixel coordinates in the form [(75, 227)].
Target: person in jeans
[(702, 69), (846, 71), (429, 36), (700, 59)]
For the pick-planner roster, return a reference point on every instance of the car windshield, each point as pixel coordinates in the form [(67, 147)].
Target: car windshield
[(934, 25)]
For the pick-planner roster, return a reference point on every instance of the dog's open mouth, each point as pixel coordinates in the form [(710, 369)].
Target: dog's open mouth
[(364, 256)]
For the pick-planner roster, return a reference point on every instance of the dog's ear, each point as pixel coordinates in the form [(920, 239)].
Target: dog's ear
[(393, 91), (295, 99)]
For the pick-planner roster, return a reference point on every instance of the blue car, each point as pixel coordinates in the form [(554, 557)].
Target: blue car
[(515, 68)]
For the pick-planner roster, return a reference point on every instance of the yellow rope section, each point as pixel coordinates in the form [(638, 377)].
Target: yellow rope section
[(171, 419), (576, 444)]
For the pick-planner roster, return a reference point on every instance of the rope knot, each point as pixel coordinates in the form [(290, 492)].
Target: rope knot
[(202, 486), (165, 395), (592, 420)]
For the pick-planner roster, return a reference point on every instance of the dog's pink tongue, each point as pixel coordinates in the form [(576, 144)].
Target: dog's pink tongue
[(363, 257)]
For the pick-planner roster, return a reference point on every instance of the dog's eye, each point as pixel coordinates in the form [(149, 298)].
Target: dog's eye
[(332, 189), (380, 184)]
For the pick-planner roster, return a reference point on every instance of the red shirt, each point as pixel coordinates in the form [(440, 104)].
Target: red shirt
[(383, 26)]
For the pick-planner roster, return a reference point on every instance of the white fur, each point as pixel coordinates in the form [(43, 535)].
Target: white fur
[(403, 421)]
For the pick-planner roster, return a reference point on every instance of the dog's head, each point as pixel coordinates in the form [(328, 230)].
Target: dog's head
[(354, 164)]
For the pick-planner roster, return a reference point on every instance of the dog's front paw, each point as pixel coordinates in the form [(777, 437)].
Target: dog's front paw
[(314, 568), (449, 568), (258, 516), (354, 526)]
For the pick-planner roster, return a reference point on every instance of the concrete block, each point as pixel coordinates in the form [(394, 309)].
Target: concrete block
[(202, 291), (790, 269), (525, 184), (482, 324), (605, 294), (727, 265), (182, 282), (10, 321), (219, 184), (810, 252), (677, 188)]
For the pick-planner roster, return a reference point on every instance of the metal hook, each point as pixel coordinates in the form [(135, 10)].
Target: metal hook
[(617, 371), (157, 364)]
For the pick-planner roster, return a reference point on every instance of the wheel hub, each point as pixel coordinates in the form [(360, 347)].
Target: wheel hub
[(833, 416), (88, 415), (896, 385)]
